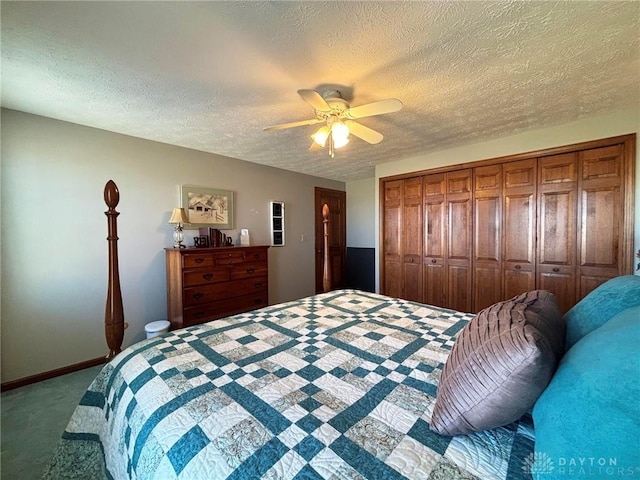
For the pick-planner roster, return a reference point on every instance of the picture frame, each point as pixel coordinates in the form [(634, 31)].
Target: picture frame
[(207, 207)]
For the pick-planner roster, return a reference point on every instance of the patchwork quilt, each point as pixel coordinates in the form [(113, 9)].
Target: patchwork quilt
[(334, 386)]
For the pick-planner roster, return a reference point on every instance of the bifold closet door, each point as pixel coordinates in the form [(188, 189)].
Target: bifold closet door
[(601, 211), (519, 225), (460, 231), (435, 239), (412, 239), (487, 236), (392, 238), (556, 252)]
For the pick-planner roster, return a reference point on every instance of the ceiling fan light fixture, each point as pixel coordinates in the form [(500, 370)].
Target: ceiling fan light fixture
[(339, 132), (339, 142), (320, 137)]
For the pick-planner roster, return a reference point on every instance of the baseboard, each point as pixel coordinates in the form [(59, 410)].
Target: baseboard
[(21, 382)]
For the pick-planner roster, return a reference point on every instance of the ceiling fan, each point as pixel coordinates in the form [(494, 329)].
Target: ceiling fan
[(337, 119)]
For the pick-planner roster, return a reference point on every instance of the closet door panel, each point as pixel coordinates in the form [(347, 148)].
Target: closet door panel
[(459, 255), (601, 214), (412, 239), (436, 280), (487, 233), (392, 239), (561, 282), (435, 240), (460, 231), (459, 287), (556, 252), (519, 224)]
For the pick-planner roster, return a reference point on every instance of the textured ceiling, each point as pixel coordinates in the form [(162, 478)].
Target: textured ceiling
[(211, 75)]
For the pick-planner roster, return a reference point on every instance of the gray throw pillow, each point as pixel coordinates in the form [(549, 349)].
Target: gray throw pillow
[(500, 364)]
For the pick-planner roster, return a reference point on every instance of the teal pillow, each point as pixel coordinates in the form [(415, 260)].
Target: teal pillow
[(587, 421), (600, 305)]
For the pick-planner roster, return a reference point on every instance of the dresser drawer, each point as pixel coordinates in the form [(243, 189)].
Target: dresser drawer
[(211, 292), (228, 258), (255, 255), (201, 276), (190, 260), (247, 270), (224, 308)]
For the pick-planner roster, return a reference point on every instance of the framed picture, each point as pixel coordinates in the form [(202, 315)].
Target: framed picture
[(207, 207)]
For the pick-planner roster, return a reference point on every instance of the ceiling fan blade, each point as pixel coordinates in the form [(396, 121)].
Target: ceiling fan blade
[(365, 133), (314, 99), (292, 124), (376, 108)]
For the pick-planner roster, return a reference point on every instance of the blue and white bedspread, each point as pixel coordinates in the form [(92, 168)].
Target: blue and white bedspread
[(336, 386)]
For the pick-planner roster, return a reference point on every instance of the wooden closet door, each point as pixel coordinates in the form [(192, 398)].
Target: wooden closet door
[(435, 235), (519, 224), (392, 238), (601, 213), (556, 252), (412, 239), (459, 224), (487, 236)]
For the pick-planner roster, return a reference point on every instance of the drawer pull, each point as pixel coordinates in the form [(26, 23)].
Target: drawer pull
[(257, 285), (256, 255), (257, 301), (207, 276), (199, 314), (199, 260), (556, 269), (250, 270), (197, 296), (433, 260), (518, 267)]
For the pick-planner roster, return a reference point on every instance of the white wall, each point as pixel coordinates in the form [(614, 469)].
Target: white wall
[(620, 122), (53, 239), (361, 210)]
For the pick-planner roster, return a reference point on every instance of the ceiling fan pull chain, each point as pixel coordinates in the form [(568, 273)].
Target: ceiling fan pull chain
[(331, 149)]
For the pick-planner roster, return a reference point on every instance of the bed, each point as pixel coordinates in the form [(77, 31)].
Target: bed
[(339, 385)]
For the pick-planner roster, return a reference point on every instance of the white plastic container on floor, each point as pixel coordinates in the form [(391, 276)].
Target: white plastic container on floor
[(156, 328)]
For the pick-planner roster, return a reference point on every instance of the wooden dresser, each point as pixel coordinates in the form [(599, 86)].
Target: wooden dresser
[(204, 284)]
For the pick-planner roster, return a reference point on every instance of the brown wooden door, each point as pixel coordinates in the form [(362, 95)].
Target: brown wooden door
[(519, 225), (458, 260), (392, 238), (412, 239), (600, 207), (435, 239), (337, 201), (556, 251), (487, 236)]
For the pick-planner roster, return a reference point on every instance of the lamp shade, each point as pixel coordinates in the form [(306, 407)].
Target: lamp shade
[(340, 132), (178, 216), (320, 137)]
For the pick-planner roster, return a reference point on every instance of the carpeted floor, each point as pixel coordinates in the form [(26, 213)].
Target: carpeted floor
[(33, 419)]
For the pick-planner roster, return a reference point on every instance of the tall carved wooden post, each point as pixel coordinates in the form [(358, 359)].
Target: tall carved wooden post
[(114, 313), (326, 273)]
